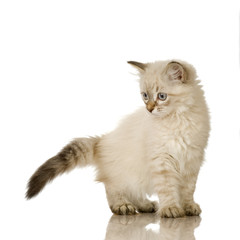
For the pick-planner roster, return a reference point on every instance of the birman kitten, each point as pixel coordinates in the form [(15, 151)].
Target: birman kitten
[(159, 149)]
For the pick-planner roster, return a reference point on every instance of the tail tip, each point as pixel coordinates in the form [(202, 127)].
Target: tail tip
[(29, 194)]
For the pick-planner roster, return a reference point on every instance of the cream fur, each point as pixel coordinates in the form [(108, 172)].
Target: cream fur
[(159, 152)]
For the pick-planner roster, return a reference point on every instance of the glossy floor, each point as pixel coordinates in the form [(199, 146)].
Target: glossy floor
[(148, 226)]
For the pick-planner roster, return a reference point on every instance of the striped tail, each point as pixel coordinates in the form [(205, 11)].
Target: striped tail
[(79, 152)]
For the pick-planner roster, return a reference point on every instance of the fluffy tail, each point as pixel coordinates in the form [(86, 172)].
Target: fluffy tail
[(80, 152)]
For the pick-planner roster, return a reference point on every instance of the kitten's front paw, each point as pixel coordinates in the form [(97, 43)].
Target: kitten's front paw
[(124, 209), (192, 209), (171, 212)]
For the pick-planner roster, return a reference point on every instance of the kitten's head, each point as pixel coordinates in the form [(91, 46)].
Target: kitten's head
[(167, 86)]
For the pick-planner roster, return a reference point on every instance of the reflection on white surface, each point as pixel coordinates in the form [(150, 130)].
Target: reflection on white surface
[(149, 226)]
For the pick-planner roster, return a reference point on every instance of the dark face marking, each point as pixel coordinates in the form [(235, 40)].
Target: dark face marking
[(150, 105)]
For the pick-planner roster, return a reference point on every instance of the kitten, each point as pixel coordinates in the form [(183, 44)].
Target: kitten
[(157, 150)]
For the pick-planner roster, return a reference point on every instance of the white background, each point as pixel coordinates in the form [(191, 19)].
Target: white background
[(64, 74)]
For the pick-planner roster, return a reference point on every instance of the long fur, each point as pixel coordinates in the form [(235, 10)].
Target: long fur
[(79, 152), (155, 151)]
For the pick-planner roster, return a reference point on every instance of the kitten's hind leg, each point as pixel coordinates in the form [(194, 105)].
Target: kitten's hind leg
[(119, 202), (144, 205)]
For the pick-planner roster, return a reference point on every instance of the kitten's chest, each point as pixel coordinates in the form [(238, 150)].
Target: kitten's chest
[(180, 133), (180, 140)]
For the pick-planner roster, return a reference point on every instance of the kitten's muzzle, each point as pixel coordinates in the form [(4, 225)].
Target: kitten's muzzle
[(150, 105)]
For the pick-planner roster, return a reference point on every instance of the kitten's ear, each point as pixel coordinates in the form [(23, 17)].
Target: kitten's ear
[(140, 66), (176, 72)]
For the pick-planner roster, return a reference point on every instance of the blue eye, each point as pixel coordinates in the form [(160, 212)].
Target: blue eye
[(145, 96), (162, 96)]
